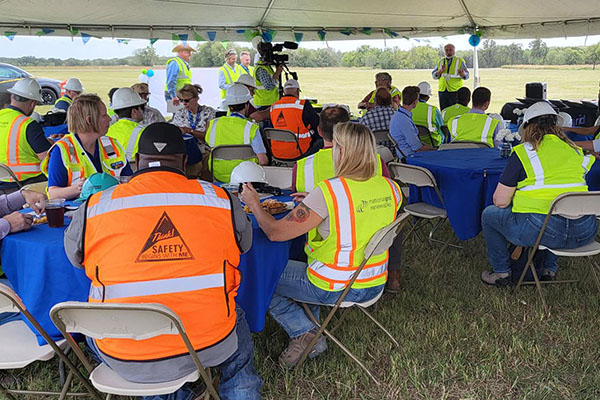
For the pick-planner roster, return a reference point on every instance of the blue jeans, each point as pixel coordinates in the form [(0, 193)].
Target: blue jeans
[(238, 377), (501, 226), (294, 286)]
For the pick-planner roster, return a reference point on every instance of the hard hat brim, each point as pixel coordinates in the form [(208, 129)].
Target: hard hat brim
[(27, 96)]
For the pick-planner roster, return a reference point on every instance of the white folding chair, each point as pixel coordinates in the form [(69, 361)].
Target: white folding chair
[(380, 242), (283, 135), (385, 154), (466, 144), (573, 205), (381, 136), (125, 321), (280, 177), (19, 347), (231, 152)]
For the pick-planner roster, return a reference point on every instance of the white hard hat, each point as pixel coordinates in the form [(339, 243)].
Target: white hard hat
[(291, 84), (28, 88), (564, 120), (247, 171), (538, 109), (247, 80), (237, 94), (126, 97), (74, 84), (424, 88)]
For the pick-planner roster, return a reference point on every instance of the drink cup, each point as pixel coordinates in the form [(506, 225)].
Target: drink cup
[(55, 211)]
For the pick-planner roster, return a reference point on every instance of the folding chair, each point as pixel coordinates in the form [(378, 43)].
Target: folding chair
[(283, 135), (422, 177), (467, 144), (446, 132), (125, 321), (19, 347), (381, 136), (39, 187), (280, 177), (7, 174), (231, 152), (425, 134), (575, 204), (385, 154), (380, 242), (395, 144)]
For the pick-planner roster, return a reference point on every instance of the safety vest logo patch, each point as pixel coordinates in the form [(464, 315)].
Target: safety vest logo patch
[(164, 243), (280, 119)]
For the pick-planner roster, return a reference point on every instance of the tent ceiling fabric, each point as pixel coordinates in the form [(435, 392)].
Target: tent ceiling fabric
[(161, 18)]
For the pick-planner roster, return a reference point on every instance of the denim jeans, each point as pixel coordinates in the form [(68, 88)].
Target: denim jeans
[(294, 286), (238, 377), (501, 226)]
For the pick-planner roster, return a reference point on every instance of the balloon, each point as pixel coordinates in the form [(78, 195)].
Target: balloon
[(143, 78), (150, 73), (474, 40), (144, 71), (478, 33)]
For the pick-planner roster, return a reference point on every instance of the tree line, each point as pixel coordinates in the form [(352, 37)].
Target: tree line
[(491, 55)]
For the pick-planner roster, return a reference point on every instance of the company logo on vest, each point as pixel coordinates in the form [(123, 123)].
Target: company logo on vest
[(164, 243)]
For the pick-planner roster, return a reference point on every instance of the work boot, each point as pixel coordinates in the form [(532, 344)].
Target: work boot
[(547, 275), (291, 355), (499, 279), (393, 283)]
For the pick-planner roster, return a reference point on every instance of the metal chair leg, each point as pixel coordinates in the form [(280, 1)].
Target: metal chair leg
[(7, 393), (67, 384), (380, 326)]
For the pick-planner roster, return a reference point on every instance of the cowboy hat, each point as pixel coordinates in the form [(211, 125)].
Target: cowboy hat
[(181, 47)]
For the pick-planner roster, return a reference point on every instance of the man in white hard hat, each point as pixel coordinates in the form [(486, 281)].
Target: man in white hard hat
[(248, 81), (229, 72), (475, 125), (73, 88), (295, 115), (178, 74), (22, 141), (234, 129), (450, 71), (129, 107), (429, 116)]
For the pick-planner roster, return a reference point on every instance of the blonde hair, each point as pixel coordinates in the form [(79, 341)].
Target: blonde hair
[(85, 106), (534, 133), (193, 90), (357, 159), (139, 87)]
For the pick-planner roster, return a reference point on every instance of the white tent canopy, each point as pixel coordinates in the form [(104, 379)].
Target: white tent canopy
[(340, 19)]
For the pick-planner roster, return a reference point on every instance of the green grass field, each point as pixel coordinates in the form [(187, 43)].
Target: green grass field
[(349, 86)]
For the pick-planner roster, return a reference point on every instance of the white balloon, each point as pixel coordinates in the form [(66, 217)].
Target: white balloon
[(143, 78)]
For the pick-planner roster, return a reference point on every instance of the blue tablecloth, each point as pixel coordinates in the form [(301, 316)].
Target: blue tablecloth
[(37, 266), (56, 130)]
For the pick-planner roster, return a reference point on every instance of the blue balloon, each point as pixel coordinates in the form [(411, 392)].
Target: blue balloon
[(150, 73), (473, 41)]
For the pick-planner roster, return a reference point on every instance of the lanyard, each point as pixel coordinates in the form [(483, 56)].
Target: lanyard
[(194, 122)]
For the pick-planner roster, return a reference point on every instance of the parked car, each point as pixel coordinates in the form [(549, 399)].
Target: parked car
[(9, 74)]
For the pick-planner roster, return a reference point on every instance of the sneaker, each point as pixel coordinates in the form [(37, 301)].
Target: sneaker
[(291, 355), (499, 279), (547, 275)]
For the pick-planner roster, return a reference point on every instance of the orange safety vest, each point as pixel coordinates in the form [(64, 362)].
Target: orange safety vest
[(286, 113), (143, 245)]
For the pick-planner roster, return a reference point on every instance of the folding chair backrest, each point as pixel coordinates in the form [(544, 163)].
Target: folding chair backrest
[(383, 238), (281, 135), (464, 145), (446, 132), (412, 174), (114, 320), (8, 299), (7, 174), (280, 177), (576, 204), (380, 136), (39, 187), (385, 154), (233, 152)]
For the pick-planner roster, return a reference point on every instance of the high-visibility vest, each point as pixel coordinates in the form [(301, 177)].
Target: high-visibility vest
[(263, 97), (451, 80), (110, 111), (394, 91), (168, 260), (15, 150), (453, 111), (231, 75), (250, 70), (473, 127), (554, 168), (356, 211), (184, 75), (424, 114), (286, 113), (64, 98), (314, 169), (78, 163), (228, 130), (128, 134)]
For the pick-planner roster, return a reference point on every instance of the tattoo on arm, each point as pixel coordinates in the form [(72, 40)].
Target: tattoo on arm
[(299, 214)]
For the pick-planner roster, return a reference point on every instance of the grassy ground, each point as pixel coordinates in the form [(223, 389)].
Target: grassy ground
[(460, 339), (349, 86)]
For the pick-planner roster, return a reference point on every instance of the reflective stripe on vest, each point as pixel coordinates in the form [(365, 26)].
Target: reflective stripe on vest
[(429, 118), (469, 125), (133, 138), (309, 174)]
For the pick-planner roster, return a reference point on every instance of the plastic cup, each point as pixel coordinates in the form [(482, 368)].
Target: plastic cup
[(55, 212), (124, 179)]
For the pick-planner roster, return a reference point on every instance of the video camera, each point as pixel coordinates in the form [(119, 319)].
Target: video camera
[(267, 52)]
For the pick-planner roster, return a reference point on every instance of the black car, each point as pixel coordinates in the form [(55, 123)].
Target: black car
[(9, 74)]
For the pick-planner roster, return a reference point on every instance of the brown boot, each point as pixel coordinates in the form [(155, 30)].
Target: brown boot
[(393, 283)]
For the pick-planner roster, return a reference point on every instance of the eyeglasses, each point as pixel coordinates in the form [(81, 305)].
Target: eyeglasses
[(185, 101)]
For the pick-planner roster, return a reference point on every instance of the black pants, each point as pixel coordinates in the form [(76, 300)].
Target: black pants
[(447, 99)]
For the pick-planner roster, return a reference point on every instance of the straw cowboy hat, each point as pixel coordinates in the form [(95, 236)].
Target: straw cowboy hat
[(181, 47)]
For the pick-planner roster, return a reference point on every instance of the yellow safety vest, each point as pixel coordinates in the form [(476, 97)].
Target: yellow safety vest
[(64, 98), (78, 163), (226, 131), (314, 169), (231, 75), (110, 112), (128, 134), (451, 80), (250, 70), (263, 97), (356, 211), (15, 150), (473, 127), (424, 114), (394, 91), (453, 111), (184, 76), (554, 168)]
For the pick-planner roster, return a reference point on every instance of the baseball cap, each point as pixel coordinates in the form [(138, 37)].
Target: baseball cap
[(161, 138), (291, 84)]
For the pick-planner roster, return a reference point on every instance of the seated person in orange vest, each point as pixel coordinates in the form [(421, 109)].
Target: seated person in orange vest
[(84, 151), (171, 262), (22, 141), (338, 230), (292, 114), (475, 125)]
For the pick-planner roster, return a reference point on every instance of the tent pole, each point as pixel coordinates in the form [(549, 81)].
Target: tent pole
[(476, 81)]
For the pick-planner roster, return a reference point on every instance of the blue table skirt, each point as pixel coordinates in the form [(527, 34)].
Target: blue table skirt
[(37, 266)]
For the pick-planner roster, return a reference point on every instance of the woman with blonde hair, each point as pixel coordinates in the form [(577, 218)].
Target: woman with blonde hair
[(84, 151), (340, 216), (546, 165)]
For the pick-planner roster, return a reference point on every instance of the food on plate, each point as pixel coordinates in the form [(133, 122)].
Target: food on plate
[(271, 206), (40, 220)]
